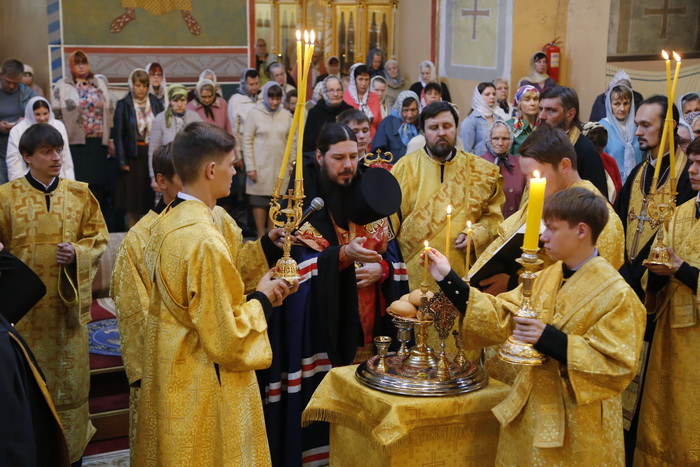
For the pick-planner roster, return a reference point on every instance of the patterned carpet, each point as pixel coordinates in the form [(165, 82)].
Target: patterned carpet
[(108, 459)]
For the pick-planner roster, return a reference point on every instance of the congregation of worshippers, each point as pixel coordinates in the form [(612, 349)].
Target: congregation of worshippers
[(223, 356)]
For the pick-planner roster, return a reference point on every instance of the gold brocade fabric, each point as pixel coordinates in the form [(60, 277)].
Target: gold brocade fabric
[(55, 332), (610, 246), (637, 199), (158, 7), (392, 425), (198, 321), (131, 285), (472, 185), (566, 414), (669, 421)]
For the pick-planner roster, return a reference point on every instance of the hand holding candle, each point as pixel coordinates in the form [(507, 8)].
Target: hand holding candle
[(534, 212), (447, 234)]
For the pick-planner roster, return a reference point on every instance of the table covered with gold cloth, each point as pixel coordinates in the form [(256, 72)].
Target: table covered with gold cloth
[(370, 427)]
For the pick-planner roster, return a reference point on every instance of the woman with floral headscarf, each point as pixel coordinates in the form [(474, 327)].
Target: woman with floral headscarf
[(526, 104), (264, 140), (396, 130), (37, 110), (427, 74), (394, 82), (326, 110), (360, 96), (83, 102), (619, 122), (498, 144), (211, 107), (475, 128), (133, 119), (538, 76)]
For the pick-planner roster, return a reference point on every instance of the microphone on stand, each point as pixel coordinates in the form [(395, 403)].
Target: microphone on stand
[(315, 206)]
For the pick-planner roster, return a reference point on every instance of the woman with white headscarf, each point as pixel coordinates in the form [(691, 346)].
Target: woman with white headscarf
[(475, 128), (37, 110), (399, 128), (498, 150), (427, 74), (619, 122), (210, 106), (620, 77), (264, 140), (133, 119)]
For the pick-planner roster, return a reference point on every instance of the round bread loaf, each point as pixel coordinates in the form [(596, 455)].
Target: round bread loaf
[(403, 308), (414, 297)]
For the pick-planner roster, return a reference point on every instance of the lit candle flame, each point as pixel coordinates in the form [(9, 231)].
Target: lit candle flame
[(536, 173), (298, 35), (469, 224), (449, 209), (426, 244), (313, 36), (676, 57), (306, 36), (664, 54)]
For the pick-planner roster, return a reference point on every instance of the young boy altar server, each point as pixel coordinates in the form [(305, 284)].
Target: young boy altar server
[(566, 411)]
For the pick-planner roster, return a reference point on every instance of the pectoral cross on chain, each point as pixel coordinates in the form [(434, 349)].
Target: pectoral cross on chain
[(642, 218)]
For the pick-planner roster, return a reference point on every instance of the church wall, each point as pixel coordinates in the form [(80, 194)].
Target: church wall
[(24, 27)]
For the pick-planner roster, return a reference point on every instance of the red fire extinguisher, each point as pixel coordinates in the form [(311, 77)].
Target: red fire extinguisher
[(553, 53)]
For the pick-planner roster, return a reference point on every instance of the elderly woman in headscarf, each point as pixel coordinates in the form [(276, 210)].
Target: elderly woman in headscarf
[(394, 82), (620, 77), (688, 103), (427, 74), (211, 107), (206, 74), (169, 123), (475, 128), (375, 62), (527, 108), (396, 130), (360, 96), (133, 119), (159, 85), (37, 110), (498, 144), (83, 102), (264, 140), (619, 122), (325, 111), (538, 76)]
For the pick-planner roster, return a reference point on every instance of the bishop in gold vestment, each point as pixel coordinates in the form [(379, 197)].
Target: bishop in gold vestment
[(202, 343), (563, 413), (474, 188), (669, 420), (34, 219)]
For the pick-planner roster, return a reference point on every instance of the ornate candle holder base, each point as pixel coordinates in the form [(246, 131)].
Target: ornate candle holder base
[(514, 351), (419, 372), (658, 254), (286, 269)]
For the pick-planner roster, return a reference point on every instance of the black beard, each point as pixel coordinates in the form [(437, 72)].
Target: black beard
[(338, 198), (441, 151)]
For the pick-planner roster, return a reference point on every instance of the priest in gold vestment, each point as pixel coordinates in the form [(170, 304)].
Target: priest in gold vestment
[(437, 176), (670, 410), (199, 402), (566, 411), (55, 226)]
